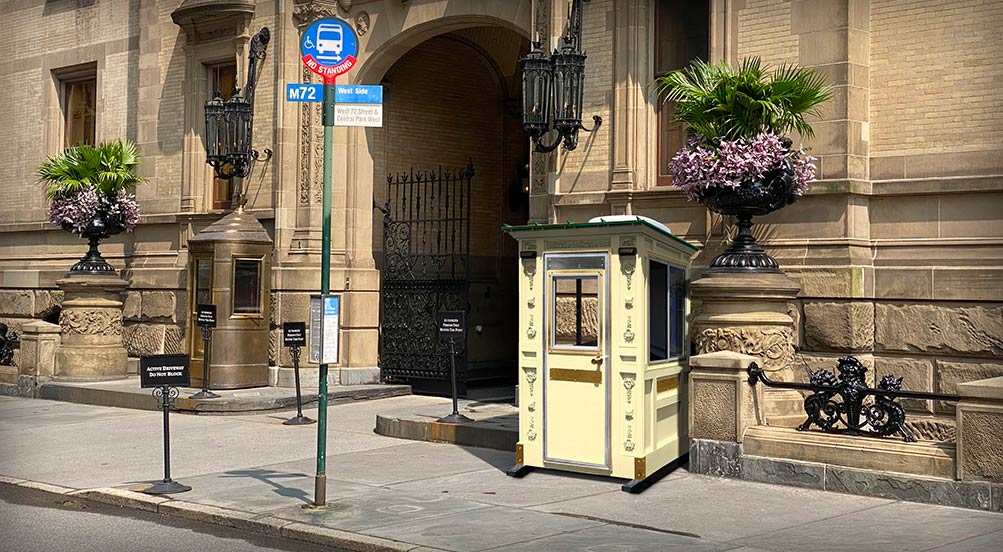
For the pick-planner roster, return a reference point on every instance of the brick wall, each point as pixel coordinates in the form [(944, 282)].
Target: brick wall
[(936, 72), (764, 30)]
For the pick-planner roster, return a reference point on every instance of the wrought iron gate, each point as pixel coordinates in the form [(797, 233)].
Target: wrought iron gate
[(426, 269)]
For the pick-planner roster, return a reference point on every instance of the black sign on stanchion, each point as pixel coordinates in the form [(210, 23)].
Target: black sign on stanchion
[(164, 373), (205, 317), (453, 329), (294, 337)]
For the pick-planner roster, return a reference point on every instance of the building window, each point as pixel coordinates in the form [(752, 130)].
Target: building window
[(682, 34), (223, 81), (667, 311), (247, 286), (79, 111)]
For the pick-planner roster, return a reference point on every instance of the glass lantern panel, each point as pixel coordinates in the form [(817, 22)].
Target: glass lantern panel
[(247, 286)]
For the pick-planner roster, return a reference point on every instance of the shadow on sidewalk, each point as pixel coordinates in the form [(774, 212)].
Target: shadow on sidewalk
[(269, 477)]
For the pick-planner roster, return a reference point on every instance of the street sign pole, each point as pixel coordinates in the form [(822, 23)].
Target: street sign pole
[(320, 482), (329, 48)]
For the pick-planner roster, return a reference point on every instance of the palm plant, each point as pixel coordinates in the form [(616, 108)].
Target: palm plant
[(720, 102), (108, 168)]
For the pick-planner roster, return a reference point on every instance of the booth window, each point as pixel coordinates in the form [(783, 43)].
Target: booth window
[(667, 307), (247, 286), (682, 34), (223, 81), (576, 312)]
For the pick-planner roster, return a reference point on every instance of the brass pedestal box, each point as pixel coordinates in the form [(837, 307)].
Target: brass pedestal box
[(602, 348), (230, 267)]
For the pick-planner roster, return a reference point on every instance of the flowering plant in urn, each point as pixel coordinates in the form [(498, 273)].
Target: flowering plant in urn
[(91, 194), (737, 159)]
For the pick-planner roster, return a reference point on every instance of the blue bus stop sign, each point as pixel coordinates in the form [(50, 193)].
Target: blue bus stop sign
[(329, 48)]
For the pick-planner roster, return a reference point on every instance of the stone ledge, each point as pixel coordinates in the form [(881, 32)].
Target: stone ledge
[(722, 459), (476, 434), (924, 458)]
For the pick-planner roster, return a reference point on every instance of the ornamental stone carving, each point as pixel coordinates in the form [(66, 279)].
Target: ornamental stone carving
[(308, 11), (91, 322), (773, 345)]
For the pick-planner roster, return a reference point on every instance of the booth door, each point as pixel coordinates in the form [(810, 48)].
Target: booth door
[(576, 387)]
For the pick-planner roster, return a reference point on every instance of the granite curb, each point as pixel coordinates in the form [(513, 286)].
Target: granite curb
[(265, 524)]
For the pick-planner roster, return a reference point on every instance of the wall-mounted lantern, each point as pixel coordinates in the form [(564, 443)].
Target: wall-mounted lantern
[(552, 88), (228, 124)]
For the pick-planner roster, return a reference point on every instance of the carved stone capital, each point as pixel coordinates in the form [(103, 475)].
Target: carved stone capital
[(774, 346)]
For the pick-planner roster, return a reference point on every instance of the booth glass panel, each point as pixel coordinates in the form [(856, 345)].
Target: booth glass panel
[(667, 311), (576, 312), (247, 286)]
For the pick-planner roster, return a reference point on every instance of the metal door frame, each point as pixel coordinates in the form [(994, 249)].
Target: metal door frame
[(607, 352)]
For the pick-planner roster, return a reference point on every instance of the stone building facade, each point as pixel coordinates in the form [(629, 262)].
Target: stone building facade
[(898, 247)]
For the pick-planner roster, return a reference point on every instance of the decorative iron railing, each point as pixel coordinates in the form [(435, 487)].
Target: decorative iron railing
[(836, 403), (8, 342)]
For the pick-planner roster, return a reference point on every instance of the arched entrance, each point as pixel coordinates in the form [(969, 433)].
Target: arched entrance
[(451, 102)]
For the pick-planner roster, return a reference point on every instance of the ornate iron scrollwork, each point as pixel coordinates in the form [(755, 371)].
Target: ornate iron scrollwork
[(426, 250), (8, 341), (836, 404)]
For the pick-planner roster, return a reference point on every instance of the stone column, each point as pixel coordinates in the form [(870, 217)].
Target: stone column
[(722, 405), (91, 324), (980, 433), (748, 313)]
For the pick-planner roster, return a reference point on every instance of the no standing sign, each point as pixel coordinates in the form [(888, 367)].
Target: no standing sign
[(329, 48)]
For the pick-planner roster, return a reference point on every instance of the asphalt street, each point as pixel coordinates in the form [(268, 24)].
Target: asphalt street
[(37, 522)]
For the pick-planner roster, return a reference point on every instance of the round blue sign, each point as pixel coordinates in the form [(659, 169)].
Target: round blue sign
[(329, 48)]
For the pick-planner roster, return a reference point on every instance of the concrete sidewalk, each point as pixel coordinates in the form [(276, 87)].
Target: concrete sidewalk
[(402, 495)]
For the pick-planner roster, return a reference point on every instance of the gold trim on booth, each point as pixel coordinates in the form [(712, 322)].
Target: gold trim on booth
[(518, 455), (583, 376), (640, 469), (668, 384)]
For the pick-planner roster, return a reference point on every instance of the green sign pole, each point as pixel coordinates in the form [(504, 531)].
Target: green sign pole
[(320, 481)]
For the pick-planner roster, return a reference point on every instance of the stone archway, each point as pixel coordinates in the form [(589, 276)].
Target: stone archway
[(450, 100)]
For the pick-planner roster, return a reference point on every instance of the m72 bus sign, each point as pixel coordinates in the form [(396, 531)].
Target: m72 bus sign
[(329, 48)]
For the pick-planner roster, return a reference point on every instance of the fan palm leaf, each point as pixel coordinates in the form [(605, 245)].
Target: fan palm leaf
[(108, 168), (720, 102)]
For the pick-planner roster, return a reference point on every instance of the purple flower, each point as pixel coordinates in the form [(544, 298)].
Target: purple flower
[(701, 164), (75, 212)]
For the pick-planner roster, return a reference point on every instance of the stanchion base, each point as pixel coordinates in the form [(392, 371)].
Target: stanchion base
[(454, 419), (204, 395), (166, 487), (299, 420)]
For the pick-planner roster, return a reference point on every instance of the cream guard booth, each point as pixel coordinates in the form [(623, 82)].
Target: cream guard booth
[(602, 349)]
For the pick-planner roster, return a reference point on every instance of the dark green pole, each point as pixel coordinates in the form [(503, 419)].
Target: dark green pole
[(320, 481)]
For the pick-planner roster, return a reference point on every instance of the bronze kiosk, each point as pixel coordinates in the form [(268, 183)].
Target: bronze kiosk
[(602, 348), (230, 267)]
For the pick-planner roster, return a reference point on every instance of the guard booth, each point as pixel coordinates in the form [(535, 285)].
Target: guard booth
[(230, 267), (602, 348)]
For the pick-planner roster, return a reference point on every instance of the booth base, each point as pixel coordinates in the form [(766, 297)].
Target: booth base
[(638, 486)]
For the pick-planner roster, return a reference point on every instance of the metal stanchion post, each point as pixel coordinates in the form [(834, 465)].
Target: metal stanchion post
[(300, 419), (455, 417), (167, 486), (205, 393)]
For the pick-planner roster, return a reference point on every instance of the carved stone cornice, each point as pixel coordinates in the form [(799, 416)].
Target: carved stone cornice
[(308, 11)]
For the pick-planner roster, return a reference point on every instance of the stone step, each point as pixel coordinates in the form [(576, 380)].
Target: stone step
[(928, 458)]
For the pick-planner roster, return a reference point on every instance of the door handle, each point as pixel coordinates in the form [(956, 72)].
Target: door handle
[(597, 360)]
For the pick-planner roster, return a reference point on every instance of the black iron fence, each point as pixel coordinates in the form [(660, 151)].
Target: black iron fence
[(426, 269), (836, 403)]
